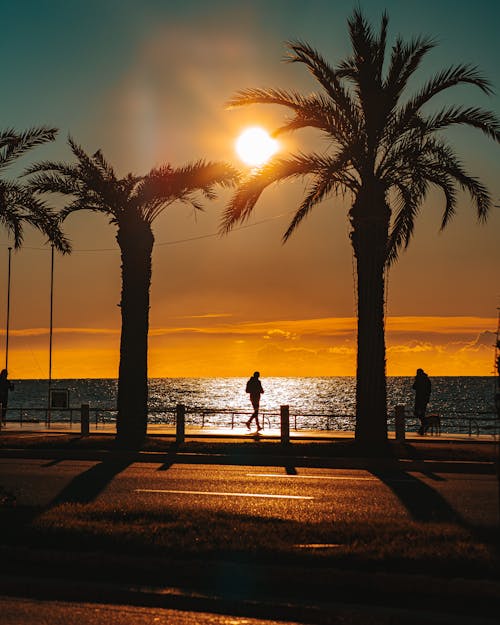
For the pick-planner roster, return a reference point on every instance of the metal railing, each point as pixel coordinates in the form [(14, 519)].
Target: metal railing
[(471, 423), (46, 415)]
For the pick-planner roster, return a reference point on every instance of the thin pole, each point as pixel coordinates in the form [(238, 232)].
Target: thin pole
[(497, 401), (51, 327), (8, 315)]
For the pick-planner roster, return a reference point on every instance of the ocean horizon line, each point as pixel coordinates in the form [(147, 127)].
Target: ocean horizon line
[(245, 375)]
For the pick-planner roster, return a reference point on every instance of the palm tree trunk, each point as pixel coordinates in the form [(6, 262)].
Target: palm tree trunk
[(135, 239), (370, 220)]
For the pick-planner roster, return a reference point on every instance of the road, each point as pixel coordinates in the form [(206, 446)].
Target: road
[(307, 496), (303, 494)]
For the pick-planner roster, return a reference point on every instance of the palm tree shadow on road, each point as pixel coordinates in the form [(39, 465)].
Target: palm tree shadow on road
[(422, 501), (86, 486)]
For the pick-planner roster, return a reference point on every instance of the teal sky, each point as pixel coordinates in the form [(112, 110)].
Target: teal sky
[(61, 57), (146, 81)]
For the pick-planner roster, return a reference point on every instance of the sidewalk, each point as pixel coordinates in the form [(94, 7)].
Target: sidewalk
[(156, 429), (457, 453)]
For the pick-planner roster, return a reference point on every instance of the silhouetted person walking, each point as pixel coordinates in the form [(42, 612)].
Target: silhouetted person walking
[(422, 387), (5, 387), (254, 388)]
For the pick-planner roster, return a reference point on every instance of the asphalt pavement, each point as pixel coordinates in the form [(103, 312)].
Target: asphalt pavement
[(291, 485), (288, 492)]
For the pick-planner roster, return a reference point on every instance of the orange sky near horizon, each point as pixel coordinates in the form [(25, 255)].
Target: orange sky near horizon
[(212, 346)]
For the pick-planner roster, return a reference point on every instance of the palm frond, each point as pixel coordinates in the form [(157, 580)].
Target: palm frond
[(440, 161), (65, 169), (52, 182), (405, 60), (165, 185), (362, 40), (7, 136), (11, 217), (410, 201), (85, 204), (319, 112), (105, 168), (290, 99), (326, 182), (362, 69), (475, 117), (365, 67), (328, 78), (381, 46), (13, 144), (250, 189), (408, 116), (18, 206), (431, 162)]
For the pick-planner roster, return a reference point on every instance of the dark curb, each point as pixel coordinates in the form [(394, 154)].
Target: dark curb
[(384, 464), (393, 597)]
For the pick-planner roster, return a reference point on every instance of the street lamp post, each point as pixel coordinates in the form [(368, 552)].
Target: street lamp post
[(50, 329), (8, 314)]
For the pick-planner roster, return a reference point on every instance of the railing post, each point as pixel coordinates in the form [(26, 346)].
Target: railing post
[(285, 424), (399, 422), (180, 423), (85, 419)]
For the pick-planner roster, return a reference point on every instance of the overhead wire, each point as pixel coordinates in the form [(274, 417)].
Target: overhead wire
[(164, 243)]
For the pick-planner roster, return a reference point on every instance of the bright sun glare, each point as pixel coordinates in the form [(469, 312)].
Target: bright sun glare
[(255, 147)]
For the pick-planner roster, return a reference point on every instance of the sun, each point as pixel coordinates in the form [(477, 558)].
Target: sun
[(255, 147)]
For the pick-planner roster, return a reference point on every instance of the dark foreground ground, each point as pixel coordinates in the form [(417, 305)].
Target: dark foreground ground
[(436, 569)]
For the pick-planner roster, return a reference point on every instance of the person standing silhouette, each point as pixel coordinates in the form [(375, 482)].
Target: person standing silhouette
[(255, 390), (5, 387), (422, 387)]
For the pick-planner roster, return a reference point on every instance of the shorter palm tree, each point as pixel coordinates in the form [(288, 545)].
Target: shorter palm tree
[(132, 204), (18, 206)]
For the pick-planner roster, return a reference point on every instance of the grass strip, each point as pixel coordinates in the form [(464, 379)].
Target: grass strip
[(398, 545)]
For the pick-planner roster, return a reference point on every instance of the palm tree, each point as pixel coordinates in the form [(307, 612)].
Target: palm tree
[(132, 203), (386, 152), (17, 204)]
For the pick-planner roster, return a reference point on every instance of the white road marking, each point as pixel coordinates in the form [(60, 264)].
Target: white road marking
[(205, 492), (315, 477), (342, 477)]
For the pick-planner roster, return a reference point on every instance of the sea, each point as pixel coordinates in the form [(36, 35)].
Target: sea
[(465, 404)]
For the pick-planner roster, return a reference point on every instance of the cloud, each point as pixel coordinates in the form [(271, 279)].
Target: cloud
[(213, 346), (411, 347), (346, 351), (304, 361), (485, 339), (441, 325), (205, 316), (280, 335)]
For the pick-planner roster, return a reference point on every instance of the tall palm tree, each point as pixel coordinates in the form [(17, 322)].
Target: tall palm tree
[(132, 204), (18, 206), (386, 151)]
